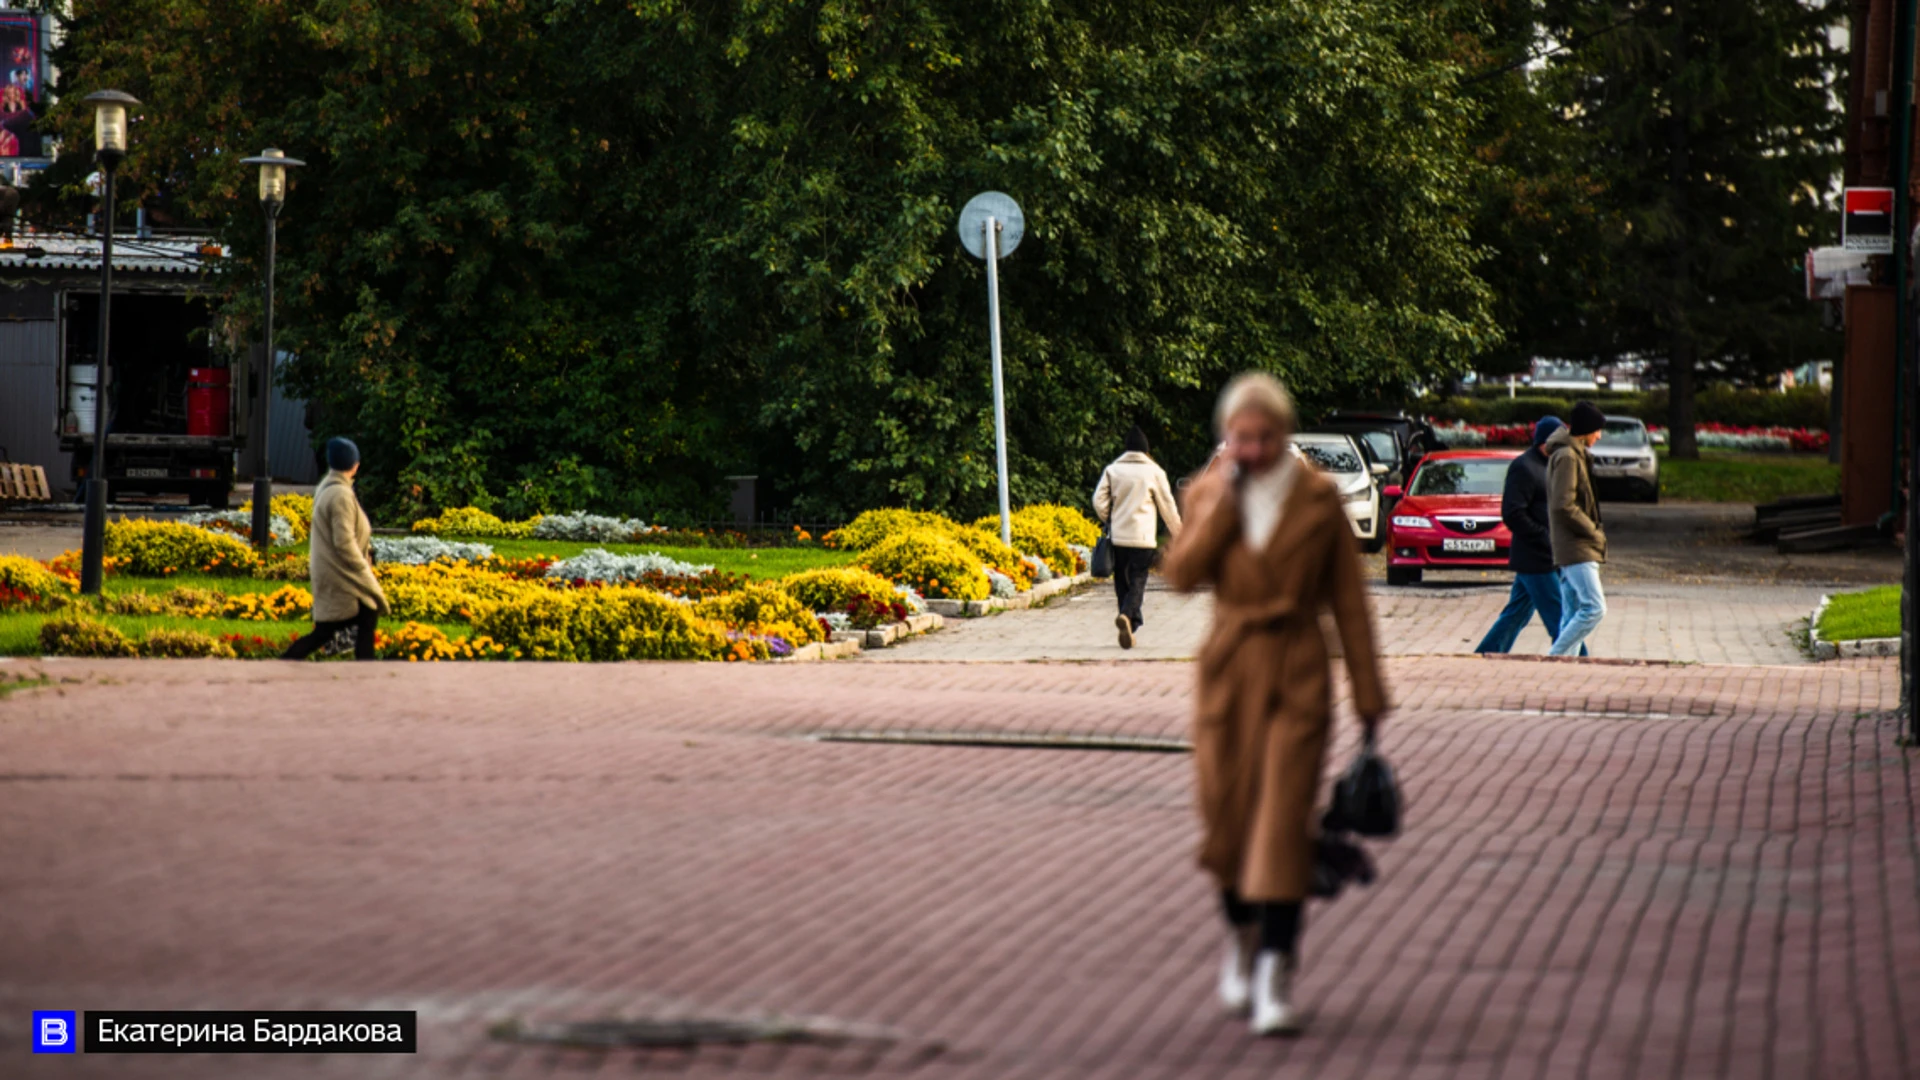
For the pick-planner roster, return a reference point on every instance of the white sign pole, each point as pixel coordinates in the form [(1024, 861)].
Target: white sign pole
[(992, 229)]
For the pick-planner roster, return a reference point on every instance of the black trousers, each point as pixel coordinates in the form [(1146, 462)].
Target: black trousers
[(1279, 922), (1131, 568), (324, 632)]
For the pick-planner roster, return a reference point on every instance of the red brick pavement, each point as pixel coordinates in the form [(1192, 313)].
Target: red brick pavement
[(1610, 870)]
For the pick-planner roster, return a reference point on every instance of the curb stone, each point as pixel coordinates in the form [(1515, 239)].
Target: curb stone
[(975, 608), (1845, 650), (881, 637)]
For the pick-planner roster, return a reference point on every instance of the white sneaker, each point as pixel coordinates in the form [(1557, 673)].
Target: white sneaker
[(1236, 968), (1273, 1011), (1126, 630)]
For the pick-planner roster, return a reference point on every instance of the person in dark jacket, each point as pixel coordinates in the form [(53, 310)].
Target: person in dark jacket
[(1536, 584)]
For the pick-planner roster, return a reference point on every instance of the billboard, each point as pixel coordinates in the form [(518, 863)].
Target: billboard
[(23, 83), (1867, 225)]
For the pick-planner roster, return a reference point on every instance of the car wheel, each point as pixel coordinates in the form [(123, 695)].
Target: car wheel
[(1373, 546), (1403, 575)]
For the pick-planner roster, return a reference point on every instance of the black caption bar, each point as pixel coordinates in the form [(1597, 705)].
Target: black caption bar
[(249, 1032)]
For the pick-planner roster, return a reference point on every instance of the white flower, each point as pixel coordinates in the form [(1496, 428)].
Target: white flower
[(583, 526), (240, 523), (1002, 585), (421, 550), (916, 604), (1041, 571), (838, 620), (599, 564)]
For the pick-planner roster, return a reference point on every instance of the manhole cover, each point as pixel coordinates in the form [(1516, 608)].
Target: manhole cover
[(692, 1032), (1135, 744)]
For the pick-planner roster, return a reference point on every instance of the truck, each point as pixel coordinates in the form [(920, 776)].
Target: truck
[(177, 394)]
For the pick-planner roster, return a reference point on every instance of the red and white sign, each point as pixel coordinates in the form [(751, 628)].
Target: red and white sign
[(1868, 222)]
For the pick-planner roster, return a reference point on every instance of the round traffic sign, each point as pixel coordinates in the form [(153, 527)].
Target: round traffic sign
[(1003, 210)]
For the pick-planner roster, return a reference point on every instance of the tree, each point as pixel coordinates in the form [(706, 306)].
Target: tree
[(561, 253), (1718, 142)]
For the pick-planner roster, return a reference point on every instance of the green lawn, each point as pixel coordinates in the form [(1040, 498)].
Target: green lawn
[(20, 631), (1874, 613), (753, 562), (1729, 476)]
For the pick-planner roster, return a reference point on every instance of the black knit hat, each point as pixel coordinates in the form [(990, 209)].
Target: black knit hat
[(342, 454), (1586, 419), (1136, 441)]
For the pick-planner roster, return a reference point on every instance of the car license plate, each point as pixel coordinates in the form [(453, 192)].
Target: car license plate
[(147, 473), (1466, 545)]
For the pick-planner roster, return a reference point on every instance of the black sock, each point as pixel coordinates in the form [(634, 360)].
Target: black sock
[(1239, 913), (1280, 926)]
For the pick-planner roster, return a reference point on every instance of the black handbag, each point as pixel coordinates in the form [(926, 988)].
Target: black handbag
[(1100, 564), (1366, 800), (1336, 862)]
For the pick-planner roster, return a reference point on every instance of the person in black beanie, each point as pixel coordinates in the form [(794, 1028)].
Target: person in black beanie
[(1132, 498), (340, 561), (1579, 540)]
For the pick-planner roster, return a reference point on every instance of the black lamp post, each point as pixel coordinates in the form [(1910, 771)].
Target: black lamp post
[(109, 149), (273, 192)]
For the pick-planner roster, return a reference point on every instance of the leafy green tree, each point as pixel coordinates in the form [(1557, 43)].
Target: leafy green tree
[(559, 253), (1713, 129)]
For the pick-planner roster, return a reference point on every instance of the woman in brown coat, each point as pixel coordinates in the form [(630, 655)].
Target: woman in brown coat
[(1269, 535)]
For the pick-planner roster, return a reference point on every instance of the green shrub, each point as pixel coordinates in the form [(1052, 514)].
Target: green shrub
[(1038, 537), (600, 624), (988, 548), (764, 609), (468, 521), (1075, 526), (183, 644), (83, 637), (284, 568), (874, 526), (1801, 407), (164, 548), (832, 588), (28, 584), (931, 561)]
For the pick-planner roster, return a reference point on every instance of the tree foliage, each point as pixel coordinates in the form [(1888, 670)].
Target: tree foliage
[(1712, 130), (585, 253)]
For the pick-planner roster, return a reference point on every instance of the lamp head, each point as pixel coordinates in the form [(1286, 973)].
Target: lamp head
[(110, 124), (274, 164)]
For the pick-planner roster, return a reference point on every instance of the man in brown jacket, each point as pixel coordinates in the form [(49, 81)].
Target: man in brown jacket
[(1579, 541)]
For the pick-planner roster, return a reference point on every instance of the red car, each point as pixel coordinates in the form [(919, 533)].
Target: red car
[(1448, 518)]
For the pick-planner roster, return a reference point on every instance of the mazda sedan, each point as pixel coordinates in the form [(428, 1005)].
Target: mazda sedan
[(1448, 518)]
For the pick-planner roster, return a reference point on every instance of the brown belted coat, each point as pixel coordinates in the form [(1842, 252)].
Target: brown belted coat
[(1265, 700)]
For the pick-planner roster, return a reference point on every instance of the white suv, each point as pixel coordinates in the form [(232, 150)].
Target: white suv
[(1624, 461)]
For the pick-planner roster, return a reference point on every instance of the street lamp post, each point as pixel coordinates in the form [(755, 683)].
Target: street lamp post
[(109, 149), (273, 193)]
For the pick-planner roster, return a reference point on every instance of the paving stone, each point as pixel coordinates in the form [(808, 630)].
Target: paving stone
[(1608, 869)]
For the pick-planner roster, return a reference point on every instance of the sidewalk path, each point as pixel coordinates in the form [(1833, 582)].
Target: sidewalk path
[(1609, 870), (1718, 623)]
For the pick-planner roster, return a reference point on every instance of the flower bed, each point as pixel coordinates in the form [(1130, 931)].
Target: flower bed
[(595, 605), (1709, 436)]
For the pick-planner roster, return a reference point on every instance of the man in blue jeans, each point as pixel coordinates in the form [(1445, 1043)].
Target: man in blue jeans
[(1536, 584), (1579, 540)]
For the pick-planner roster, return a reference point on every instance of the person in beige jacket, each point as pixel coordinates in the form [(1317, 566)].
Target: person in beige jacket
[(1133, 497), (340, 556)]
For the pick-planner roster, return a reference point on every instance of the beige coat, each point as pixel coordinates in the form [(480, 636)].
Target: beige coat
[(1264, 705), (1573, 510), (341, 554), (1133, 497)]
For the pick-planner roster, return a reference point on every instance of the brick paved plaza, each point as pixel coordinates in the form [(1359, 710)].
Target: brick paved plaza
[(1610, 869)]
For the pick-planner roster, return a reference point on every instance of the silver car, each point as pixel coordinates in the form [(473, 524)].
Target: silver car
[(1357, 477), (1624, 461)]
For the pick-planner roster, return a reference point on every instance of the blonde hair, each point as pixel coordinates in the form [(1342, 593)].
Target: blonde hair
[(1255, 390)]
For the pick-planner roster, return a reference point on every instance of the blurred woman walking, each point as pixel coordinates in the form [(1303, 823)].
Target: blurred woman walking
[(340, 557), (1132, 498), (1272, 540)]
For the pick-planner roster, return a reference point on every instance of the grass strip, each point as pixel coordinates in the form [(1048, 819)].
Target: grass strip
[(1874, 613), (1725, 476)]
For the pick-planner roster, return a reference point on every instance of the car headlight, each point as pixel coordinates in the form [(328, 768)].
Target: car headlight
[(1359, 494), (1410, 521)]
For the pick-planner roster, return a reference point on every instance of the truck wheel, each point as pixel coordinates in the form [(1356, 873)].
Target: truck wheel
[(216, 496), (1403, 575)]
